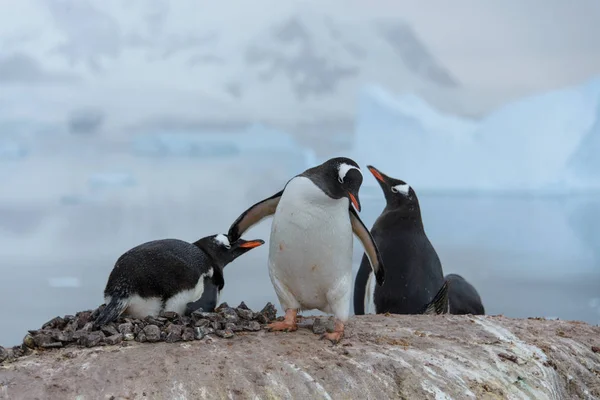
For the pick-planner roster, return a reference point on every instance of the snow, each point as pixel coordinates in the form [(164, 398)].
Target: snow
[(543, 143)]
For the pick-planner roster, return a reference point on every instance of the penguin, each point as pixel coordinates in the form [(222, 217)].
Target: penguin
[(310, 251), (170, 275), (463, 297), (415, 281)]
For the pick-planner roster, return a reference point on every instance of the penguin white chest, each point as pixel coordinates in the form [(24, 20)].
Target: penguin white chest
[(310, 254)]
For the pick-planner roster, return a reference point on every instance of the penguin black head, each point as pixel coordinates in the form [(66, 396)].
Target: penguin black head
[(338, 177), (398, 194), (222, 251)]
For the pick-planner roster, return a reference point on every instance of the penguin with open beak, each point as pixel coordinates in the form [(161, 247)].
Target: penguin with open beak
[(415, 281), (310, 249), (170, 275)]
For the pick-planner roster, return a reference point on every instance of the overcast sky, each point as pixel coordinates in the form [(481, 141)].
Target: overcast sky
[(508, 47)]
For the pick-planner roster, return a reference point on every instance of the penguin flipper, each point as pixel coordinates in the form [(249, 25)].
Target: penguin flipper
[(362, 287), (439, 304), (254, 215), (371, 250)]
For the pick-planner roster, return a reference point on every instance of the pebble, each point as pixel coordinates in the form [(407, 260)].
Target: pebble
[(3, 354), (321, 326), (79, 329), (152, 333)]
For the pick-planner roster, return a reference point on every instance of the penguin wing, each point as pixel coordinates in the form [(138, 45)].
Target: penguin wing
[(371, 250), (254, 215)]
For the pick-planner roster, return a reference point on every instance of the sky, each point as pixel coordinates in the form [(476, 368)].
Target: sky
[(496, 51)]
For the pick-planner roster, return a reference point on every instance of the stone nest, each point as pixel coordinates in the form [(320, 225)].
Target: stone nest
[(78, 330)]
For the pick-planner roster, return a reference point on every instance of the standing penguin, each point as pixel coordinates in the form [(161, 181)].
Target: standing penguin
[(310, 249), (415, 280), (170, 275)]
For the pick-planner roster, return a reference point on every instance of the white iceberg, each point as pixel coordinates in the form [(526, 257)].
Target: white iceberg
[(540, 143)]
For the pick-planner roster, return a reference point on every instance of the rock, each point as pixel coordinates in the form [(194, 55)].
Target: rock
[(216, 325), (188, 334), (42, 339), (209, 316), (3, 354), (62, 336), (88, 327), (91, 339), (173, 333), (243, 306), (152, 333), (229, 314), (457, 358), (53, 345), (321, 326), (128, 336), (199, 333), (269, 312), (83, 318), (184, 320), (149, 320), (94, 314), (201, 323), (224, 333), (114, 339), (221, 307), (125, 328), (233, 327), (252, 326), (141, 336), (169, 315), (244, 313), (29, 341), (109, 330), (55, 323)]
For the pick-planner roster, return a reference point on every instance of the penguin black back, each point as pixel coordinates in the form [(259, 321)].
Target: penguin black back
[(464, 299), (170, 275), (414, 273)]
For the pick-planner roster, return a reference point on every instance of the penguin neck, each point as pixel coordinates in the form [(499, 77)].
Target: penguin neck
[(407, 217), (206, 250)]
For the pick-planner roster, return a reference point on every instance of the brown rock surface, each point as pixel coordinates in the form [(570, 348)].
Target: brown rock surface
[(382, 357)]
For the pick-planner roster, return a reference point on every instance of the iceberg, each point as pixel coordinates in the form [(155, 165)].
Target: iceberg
[(257, 142), (543, 143)]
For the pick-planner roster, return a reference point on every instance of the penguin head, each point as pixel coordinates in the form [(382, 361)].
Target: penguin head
[(398, 194), (225, 252), (339, 177)]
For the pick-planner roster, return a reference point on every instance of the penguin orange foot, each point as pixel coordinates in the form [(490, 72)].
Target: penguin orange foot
[(288, 324), (337, 334)]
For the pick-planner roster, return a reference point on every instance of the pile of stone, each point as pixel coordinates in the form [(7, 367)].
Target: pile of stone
[(79, 330)]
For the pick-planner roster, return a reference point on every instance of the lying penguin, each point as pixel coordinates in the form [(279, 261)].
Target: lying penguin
[(310, 249), (170, 275), (463, 297), (414, 277)]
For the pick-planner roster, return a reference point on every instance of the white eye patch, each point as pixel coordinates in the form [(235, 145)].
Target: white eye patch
[(343, 170), (222, 240), (402, 189)]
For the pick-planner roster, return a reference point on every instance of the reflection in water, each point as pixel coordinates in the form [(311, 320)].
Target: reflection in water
[(525, 256)]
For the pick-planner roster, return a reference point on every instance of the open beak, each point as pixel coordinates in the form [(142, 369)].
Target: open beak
[(376, 173), (354, 200), (250, 244)]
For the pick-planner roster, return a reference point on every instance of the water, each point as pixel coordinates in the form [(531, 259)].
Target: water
[(526, 256)]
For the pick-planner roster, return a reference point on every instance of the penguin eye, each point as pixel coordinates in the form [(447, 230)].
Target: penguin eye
[(394, 190), (340, 180)]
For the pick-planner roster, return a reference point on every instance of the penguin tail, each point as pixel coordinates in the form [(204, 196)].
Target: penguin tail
[(111, 311), (439, 304)]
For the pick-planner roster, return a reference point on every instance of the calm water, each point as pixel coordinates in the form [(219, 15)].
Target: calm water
[(526, 256)]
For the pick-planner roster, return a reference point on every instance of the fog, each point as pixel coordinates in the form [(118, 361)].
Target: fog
[(124, 122)]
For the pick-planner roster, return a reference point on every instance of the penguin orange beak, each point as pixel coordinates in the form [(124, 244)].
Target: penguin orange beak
[(376, 173), (250, 244), (354, 200)]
